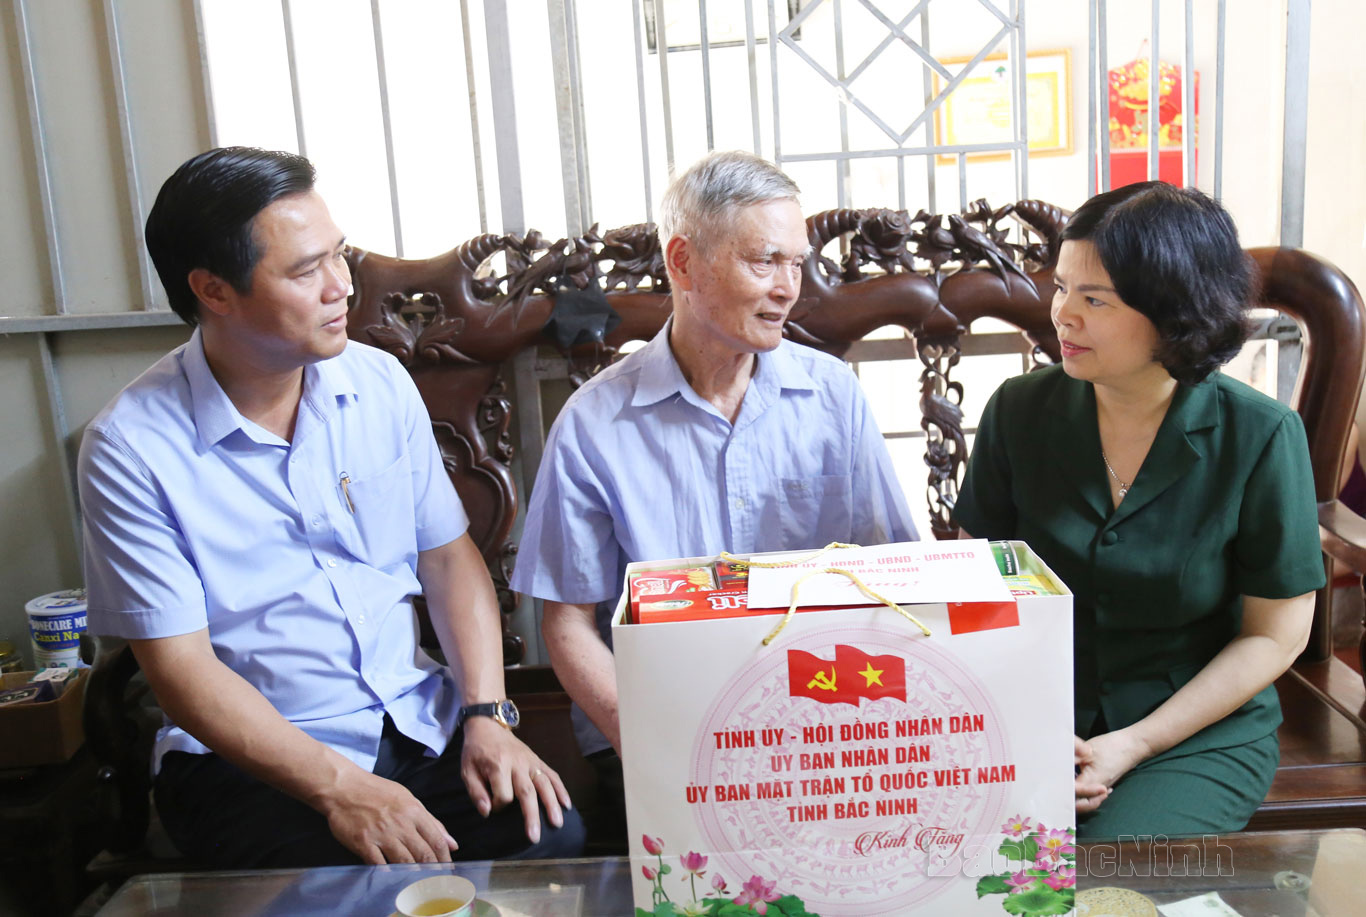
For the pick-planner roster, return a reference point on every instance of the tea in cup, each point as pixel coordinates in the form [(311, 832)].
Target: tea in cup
[(436, 896)]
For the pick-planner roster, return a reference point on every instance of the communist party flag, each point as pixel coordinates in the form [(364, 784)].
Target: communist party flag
[(852, 675)]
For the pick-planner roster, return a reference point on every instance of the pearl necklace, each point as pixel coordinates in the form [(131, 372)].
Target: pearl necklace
[(1123, 488)]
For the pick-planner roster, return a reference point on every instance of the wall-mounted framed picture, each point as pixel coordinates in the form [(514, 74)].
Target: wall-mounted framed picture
[(979, 108)]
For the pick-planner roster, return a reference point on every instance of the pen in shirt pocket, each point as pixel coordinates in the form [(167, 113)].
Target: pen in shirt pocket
[(345, 481)]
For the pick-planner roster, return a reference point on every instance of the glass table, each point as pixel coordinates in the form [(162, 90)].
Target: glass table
[(1281, 873)]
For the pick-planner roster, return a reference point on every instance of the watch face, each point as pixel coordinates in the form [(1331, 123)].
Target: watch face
[(507, 712)]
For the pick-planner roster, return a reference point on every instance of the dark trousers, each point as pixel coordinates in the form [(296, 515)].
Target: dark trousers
[(607, 821), (220, 816), (1214, 791)]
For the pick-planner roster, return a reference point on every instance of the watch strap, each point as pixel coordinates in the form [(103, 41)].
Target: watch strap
[(493, 710)]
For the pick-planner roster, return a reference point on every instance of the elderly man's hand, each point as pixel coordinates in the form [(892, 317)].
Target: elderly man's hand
[(498, 767)]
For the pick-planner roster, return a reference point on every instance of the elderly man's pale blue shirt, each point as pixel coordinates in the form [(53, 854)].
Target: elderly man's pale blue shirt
[(197, 517), (639, 467)]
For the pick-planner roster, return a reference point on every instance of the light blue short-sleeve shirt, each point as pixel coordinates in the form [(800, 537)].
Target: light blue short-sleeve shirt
[(639, 467), (197, 517)]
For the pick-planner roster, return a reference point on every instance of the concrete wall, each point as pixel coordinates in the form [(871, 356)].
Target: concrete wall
[(66, 95), (103, 170)]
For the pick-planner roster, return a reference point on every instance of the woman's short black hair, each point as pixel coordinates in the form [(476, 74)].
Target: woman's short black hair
[(1173, 254), (204, 216)]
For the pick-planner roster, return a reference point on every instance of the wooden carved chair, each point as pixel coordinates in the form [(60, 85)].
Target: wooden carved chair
[(1322, 778), (933, 277), (456, 319)]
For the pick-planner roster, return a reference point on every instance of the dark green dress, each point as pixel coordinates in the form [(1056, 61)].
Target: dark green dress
[(1222, 507)]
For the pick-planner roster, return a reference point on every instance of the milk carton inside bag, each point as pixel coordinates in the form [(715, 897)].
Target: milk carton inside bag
[(853, 765)]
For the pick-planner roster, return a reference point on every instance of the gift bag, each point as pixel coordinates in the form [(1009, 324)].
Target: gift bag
[(860, 759)]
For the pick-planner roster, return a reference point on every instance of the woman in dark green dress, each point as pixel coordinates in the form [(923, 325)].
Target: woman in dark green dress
[(1177, 504)]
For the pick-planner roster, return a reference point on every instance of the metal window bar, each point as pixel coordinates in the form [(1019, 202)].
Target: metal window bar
[(644, 122), (42, 165), (204, 74), (292, 58), (1296, 124), (773, 79), (1006, 19), (1092, 101), (662, 49), (753, 63), (930, 177), (962, 180), (570, 145), (899, 32), (1219, 105), (1154, 88), (504, 115), (474, 116), (382, 74), (571, 20), (56, 412), (953, 81), (1188, 101), (901, 182), (842, 166), (119, 77), (892, 36), (1021, 108), (962, 75), (1103, 93), (706, 72), (1004, 146)]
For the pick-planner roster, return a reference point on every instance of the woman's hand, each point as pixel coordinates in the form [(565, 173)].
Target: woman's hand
[(1089, 793), (1102, 761)]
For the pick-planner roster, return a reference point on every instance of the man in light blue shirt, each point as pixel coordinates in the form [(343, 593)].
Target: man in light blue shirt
[(260, 508), (718, 435)]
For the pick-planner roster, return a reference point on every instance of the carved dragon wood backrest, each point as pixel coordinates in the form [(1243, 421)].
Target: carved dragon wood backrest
[(454, 319)]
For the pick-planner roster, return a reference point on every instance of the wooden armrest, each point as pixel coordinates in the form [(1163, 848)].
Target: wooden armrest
[(1342, 534), (114, 737)]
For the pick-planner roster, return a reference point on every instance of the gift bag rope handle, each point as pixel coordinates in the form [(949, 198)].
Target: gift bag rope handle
[(792, 608)]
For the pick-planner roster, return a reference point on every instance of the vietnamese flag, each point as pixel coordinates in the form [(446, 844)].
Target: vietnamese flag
[(871, 676), (971, 617), (819, 679), (851, 676)]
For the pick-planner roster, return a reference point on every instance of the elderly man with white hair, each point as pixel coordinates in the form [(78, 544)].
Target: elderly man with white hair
[(718, 435)]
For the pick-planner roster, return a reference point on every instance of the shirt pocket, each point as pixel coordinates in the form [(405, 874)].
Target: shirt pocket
[(380, 507), (815, 511)]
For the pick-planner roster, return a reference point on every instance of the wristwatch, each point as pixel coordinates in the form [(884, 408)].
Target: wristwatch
[(504, 712)]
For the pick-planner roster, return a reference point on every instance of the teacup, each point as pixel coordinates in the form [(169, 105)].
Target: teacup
[(437, 896)]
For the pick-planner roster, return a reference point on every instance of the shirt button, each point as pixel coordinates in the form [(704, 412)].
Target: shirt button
[(317, 521), (331, 563), (739, 502), (1109, 538), (360, 619)]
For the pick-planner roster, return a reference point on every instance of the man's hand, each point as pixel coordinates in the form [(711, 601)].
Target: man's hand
[(381, 822), (498, 767), (1101, 763)]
